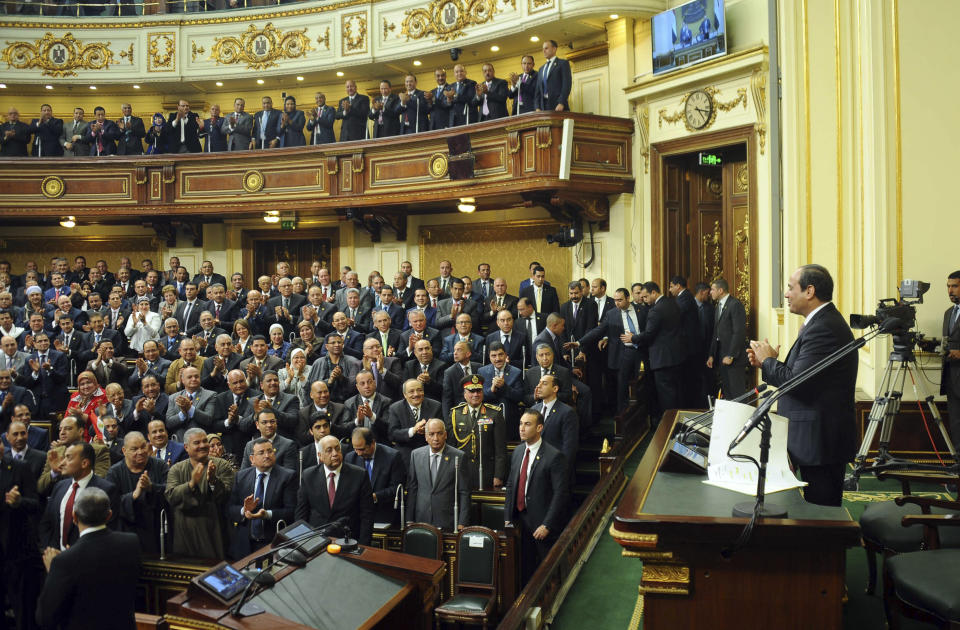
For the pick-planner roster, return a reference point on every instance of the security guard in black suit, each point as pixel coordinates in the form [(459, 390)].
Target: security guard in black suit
[(479, 430)]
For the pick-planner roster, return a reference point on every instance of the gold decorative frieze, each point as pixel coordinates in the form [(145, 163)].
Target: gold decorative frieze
[(669, 579), (353, 33), (642, 112), (127, 54), (253, 181), (161, 52), (58, 56), (52, 187), (260, 48), (438, 165), (196, 51), (741, 240), (712, 248), (446, 19), (716, 106), (388, 27), (534, 6), (325, 39), (758, 87)]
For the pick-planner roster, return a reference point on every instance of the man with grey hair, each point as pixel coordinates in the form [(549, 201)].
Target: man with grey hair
[(193, 407), (352, 281), (100, 561), (141, 480), (213, 375), (198, 489)]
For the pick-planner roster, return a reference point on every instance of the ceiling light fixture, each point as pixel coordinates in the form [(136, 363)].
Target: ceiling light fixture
[(219, 84), (136, 87), (299, 78), (339, 73), (534, 38), (259, 81), (614, 16), (49, 87), (417, 62), (68, 222), (467, 205), (93, 87), (3, 86), (272, 216), (494, 48)]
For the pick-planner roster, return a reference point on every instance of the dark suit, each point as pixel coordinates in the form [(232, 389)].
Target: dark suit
[(692, 342), (444, 321), (564, 380), (130, 141), (388, 472), (407, 354), (463, 110), (193, 319), (449, 341), (103, 142), (215, 136), (822, 435), (286, 453), (553, 85), (353, 500), (549, 302), (335, 413), (269, 363), (730, 340), (215, 278), (662, 337), (950, 373), (50, 387), (142, 515), (234, 437), (46, 137), (218, 383), (21, 396), (291, 134), (280, 499), (524, 94), (561, 430), (495, 100), (434, 388), (100, 562), (414, 116), (394, 340), (240, 132), (380, 408), (354, 125), (705, 315), (515, 347), (431, 500), (400, 421), (452, 391), (585, 320), (15, 146), (545, 497), (622, 359), (19, 556), (524, 325), (386, 122), (439, 111), (322, 126), (50, 529), (263, 135), (509, 397), (191, 134)]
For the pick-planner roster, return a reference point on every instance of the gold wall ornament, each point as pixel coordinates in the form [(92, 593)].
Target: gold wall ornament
[(446, 19), (353, 28), (260, 48), (52, 187), (718, 106), (325, 39), (388, 27), (128, 54), (642, 112), (253, 181), (741, 179), (438, 165), (195, 51), (758, 87), (161, 52), (58, 56), (741, 244), (539, 5), (668, 579), (715, 242)]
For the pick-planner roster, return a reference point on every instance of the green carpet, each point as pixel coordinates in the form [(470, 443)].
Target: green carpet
[(607, 584)]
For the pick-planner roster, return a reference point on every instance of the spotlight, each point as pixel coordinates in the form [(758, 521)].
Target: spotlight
[(68, 222), (466, 208), (299, 78), (534, 38), (417, 62), (614, 16), (494, 48), (219, 84), (136, 87), (259, 81), (339, 73), (272, 216)]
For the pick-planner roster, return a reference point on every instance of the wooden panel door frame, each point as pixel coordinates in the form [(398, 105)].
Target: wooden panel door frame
[(745, 134), (249, 238)]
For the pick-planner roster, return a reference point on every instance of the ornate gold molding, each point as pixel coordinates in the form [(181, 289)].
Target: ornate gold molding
[(535, 6), (325, 39), (253, 181), (353, 32), (161, 52), (645, 540), (260, 48), (758, 87), (446, 19), (59, 56), (52, 187), (718, 106), (388, 27), (715, 241), (196, 51), (741, 244), (642, 112), (127, 54), (438, 165), (667, 579)]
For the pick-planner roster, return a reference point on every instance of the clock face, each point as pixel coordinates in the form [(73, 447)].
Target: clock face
[(698, 109)]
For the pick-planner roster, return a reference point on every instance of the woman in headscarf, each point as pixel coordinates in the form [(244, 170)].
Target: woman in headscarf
[(293, 377), (278, 346), (291, 125), (156, 137), (88, 397)]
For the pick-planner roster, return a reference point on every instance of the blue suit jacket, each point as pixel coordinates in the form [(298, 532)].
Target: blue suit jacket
[(509, 396), (476, 343), (175, 453), (280, 499)]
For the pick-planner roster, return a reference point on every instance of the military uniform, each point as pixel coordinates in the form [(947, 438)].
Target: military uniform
[(480, 431)]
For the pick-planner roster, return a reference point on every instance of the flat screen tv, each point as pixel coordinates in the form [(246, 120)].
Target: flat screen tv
[(688, 34)]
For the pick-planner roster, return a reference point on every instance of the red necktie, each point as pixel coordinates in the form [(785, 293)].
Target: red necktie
[(433, 302), (217, 316), (331, 490), (68, 515), (522, 483)]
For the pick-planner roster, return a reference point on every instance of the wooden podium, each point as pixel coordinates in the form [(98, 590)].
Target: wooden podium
[(790, 574), (330, 592)]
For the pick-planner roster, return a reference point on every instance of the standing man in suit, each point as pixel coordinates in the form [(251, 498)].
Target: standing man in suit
[(449, 309), (102, 134), (183, 134), (353, 110), (22, 574), (384, 466), (414, 110), (531, 323), (337, 491), (541, 295), (461, 96), (72, 139), (417, 330), (46, 132), (99, 561), (618, 326), (407, 418), (497, 301), (426, 369), (208, 276), (536, 494), (513, 339), (437, 102), (822, 435), (188, 311), (23, 445), (214, 132), (368, 408), (662, 337), (491, 95), (728, 348), (579, 314), (284, 449), (239, 125), (554, 81), (320, 121), (291, 124), (950, 375), (266, 126), (690, 333), (263, 494), (132, 132), (385, 112), (437, 474), (503, 386), (705, 317), (523, 88), (46, 376), (14, 135)]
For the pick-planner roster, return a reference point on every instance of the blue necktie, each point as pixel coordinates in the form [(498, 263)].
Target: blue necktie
[(256, 525), (633, 329), (368, 464)]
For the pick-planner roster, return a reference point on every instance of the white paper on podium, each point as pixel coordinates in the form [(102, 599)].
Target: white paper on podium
[(728, 419)]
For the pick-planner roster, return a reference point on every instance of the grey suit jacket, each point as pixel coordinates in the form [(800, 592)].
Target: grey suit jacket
[(432, 501), (203, 416), (366, 299), (80, 147), (444, 321), (240, 133), (287, 453)]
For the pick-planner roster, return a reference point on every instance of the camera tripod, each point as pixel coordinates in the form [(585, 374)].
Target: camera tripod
[(885, 408)]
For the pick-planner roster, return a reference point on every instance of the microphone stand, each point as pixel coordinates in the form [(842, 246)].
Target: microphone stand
[(163, 534), (701, 420), (456, 493), (397, 495), (480, 451)]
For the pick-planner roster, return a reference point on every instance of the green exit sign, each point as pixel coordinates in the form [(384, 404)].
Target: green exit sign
[(288, 224), (710, 159)]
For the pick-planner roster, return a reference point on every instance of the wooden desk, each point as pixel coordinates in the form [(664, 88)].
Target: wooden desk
[(790, 575), (416, 582)]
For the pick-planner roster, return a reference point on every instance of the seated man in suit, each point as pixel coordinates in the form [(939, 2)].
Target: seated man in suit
[(536, 494), (465, 333), (58, 528), (336, 491), (386, 470), (99, 561), (285, 450), (436, 480), (263, 494)]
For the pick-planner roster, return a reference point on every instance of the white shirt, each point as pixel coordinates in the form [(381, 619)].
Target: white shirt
[(336, 476), (806, 320), (266, 480), (630, 314), (66, 497), (533, 449)]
